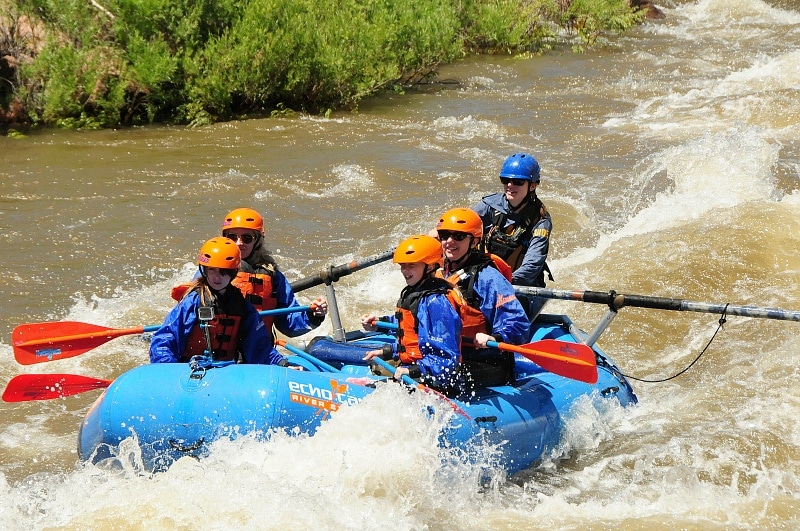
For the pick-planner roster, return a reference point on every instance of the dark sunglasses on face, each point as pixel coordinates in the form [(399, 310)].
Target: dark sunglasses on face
[(515, 182), (444, 235), (246, 238)]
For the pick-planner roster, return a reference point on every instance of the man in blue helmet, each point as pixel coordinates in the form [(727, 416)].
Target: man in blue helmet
[(517, 226)]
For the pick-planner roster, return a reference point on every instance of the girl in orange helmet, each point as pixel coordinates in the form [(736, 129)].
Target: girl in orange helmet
[(260, 280), (231, 328), (429, 328)]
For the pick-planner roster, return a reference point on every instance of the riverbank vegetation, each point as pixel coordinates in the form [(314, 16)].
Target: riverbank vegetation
[(105, 63)]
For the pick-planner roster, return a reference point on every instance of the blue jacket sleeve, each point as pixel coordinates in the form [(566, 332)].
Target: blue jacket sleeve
[(291, 324), (439, 338), (169, 341), (535, 255), (501, 308)]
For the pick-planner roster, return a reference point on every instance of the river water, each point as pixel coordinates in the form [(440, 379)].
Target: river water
[(671, 167)]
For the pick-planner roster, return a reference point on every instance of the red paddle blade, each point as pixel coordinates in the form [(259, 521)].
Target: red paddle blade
[(42, 342), (26, 387), (571, 360)]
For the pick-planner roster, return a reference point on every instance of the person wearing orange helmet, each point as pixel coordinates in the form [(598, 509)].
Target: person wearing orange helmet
[(492, 311), (428, 326), (260, 280), (212, 318)]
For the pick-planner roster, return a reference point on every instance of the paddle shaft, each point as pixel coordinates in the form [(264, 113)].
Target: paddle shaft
[(408, 380), (334, 273), (618, 300)]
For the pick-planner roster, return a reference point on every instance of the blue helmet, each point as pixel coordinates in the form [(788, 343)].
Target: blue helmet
[(521, 166)]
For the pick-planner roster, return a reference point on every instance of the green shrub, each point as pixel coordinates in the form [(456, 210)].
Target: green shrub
[(110, 62), (508, 26), (318, 53)]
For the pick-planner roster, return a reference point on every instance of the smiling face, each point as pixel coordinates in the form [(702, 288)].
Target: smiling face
[(242, 237), (413, 273), (455, 249), (516, 190)]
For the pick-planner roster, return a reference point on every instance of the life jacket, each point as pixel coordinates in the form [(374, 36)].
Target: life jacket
[(225, 334), (258, 289), (472, 319), (508, 242), (225, 329), (406, 314)]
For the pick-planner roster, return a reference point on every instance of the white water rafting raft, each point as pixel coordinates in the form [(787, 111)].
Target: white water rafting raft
[(174, 410)]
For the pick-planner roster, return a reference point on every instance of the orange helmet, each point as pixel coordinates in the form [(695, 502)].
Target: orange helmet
[(418, 249), (221, 253), (461, 220), (243, 218)]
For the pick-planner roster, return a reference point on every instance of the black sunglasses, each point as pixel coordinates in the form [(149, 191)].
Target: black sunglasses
[(444, 235), (515, 182), (246, 238)]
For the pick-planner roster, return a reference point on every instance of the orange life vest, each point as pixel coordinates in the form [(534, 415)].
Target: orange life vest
[(407, 320), (472, 319), (225, 331), (256, 287), (258, 290)]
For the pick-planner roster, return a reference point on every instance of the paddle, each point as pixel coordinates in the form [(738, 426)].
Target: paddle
[(26, 387), (406, 379), (416, 385), (618, 300), (43, 342), (334, 273), (570, 360)]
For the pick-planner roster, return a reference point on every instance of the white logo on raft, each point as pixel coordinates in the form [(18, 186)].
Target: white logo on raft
[(325, 400)]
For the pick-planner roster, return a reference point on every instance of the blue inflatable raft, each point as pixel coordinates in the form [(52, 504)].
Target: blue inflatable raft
[(174, 410)]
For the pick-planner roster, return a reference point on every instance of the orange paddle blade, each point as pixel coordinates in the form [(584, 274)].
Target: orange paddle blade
[(42, 342), (26, 387), (571, 360)]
